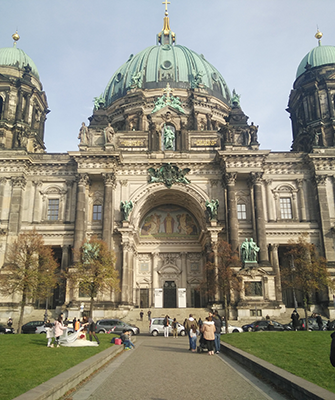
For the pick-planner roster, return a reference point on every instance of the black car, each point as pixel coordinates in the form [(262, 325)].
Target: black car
[(30, 327), (312, 324), (248, 327), (115, 326), (5, 329), (268, 325)]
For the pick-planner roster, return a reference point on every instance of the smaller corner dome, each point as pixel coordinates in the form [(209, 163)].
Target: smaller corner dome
[(320, 55), (17, 58)]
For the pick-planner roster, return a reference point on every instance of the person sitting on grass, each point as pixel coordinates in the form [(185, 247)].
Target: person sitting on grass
[(125, 337)]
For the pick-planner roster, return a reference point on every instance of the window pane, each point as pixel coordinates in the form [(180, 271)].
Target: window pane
[(53, 209), (285, 208), (97, 212), (241, 211)]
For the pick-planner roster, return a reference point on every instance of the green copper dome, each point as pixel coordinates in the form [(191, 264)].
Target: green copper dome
[(13, 57), (158, 65), (321, 55)]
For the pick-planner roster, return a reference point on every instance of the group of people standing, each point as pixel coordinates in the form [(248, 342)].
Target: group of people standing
[(209, 330), (56, 329)]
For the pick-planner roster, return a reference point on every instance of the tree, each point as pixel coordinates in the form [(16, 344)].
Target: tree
[(29, 270), (95, 271), (222, 276), (306, 271)]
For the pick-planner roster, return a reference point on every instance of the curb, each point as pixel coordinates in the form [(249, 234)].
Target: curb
[(57, 386), (292, 385)]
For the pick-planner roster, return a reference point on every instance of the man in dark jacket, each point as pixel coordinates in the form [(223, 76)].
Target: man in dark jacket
[(218, 323)]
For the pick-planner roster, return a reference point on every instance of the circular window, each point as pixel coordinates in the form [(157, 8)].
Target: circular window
[(167, 64), (119, 76), (215, 76)]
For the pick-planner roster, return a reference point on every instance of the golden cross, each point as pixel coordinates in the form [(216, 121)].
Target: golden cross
[(167, 90), (166, 3)]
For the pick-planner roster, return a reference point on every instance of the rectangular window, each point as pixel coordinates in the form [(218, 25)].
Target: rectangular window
[(97, 212), (53, 209), (241, 211), (285, 208), (253, 288)]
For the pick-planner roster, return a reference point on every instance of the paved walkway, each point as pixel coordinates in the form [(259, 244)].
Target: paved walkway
[(162, 369)]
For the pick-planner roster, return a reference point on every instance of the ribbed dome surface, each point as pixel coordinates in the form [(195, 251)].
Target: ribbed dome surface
[(321, 55), (13, 57), (161, 64)]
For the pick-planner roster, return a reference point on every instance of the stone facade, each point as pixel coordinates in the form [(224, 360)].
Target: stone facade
[(163, 242)]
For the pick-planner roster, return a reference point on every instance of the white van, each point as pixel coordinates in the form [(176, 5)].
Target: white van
[(157, 327)]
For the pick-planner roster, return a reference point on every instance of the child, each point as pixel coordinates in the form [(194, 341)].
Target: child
[(125, 337), (50, 333)]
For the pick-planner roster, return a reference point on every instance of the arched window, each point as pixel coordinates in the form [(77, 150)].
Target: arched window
[(1, 107), (97, 212)]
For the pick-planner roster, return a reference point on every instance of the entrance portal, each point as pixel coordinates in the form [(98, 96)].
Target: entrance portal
[(170, 294), (144, 298)]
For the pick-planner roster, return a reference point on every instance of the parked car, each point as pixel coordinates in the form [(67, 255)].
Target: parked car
[(248, 327), (312, 324), (231, 328), (331, 325), (106, 325), (41, 329), (157, 327), (268, 325), (30, 327), (5, 329)]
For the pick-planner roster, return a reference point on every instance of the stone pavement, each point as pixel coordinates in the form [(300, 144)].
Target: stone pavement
[(162, 368)]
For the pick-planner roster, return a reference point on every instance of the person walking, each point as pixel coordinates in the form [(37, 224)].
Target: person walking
[(208, 331), (166, 325), (189, 322), (9, 322), (295, 320), (141, 315), (218, 324), (319, 322), (91, 330), (175, 328), (149, 315), (49, 332), (59, 328), (193, 337)]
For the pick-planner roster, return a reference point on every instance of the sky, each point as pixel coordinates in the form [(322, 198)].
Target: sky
[(77, 45)]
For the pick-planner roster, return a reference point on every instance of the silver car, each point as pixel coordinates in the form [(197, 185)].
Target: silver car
[(157, 327)]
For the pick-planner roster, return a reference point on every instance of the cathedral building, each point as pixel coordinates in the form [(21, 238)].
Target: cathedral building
[(168, 165)]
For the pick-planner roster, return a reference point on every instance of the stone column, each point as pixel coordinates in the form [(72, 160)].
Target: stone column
[(232, 210), (301, 200), (317, 103), (154, 275), (37, 198), (65, 262), (26, 109), (15, 210), (41, 126), (6, 105), (3, 182), (269, 200), (325, 225), (18, 116), (256, 179), (276, 268), (67, 214), (80, 222), (125, 283), (184, 269), (108, 213)]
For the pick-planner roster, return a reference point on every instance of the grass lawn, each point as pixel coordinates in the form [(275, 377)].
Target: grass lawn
[(305, 354), (27, 361)]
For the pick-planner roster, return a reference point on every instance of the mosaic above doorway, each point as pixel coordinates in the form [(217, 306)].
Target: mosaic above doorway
[(169, 222)]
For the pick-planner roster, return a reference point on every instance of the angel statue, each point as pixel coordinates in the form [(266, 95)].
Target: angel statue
[(212, 208), (126, 208)]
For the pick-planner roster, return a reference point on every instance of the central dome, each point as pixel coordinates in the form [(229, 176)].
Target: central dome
[(158, 65)]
